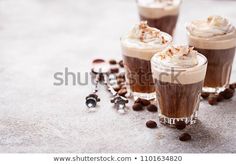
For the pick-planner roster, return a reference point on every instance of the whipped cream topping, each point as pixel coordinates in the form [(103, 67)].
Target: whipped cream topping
[(178, 56), (183, 63), (144, 41), (212, 26), (143, 36), (158, 8), (215, 32)]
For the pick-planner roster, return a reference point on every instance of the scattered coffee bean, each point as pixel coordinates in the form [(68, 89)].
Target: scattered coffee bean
[(96, 61), (122, 92), (185, 137), (212, 99), (120, 75), (138, 100), (121, 63), (220, 98), (112, 62), (137, 107), (151, 124), (180, 125), (227, 93), (114, 70), (152, 108), (120, 80), (117, 88), (145, 102), (123, 86), (205, 95), (232, 86)]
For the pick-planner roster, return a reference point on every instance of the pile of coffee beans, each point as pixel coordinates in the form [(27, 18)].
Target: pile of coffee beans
[(141, 104), (215, 98), (117, 70)]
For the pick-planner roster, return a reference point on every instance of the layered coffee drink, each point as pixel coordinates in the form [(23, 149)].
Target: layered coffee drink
[(215, 38), (179, 73), (138, 47), (161, 14)]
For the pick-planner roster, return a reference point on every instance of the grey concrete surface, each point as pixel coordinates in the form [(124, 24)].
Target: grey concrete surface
[(41, 37)]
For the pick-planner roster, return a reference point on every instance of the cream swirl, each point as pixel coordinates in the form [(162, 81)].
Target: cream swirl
[(211, 27), (178, 57), (142, 36), (215, 32)]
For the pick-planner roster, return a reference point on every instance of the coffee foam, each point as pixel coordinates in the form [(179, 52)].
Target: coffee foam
[(143, 41), (179, 73), (213, 33), (154, 9)]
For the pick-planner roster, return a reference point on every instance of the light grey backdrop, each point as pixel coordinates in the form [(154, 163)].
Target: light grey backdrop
[(41, 37)]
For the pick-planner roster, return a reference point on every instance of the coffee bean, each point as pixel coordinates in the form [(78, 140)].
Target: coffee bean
[(138, 100), (120, 75), (180, 125), (112, 62), (227, 93), (114, 70), (151, 124), (96, 61), (121, 63), (120, 80), (122, 92), (205, 95), (137, 107), (123, 86), (117, 88), (212, 99), (152, 108), (220, 98), (232, 86), (185, 137), (144, 102)]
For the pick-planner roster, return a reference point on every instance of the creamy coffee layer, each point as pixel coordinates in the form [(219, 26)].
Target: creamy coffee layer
[(180, 65), (158, 8), (215, 32), (143, 41)]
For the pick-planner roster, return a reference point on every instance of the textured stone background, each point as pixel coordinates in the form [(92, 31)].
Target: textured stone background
[(41, 37)]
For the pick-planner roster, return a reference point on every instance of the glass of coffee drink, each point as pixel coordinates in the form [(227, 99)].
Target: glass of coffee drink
[(179, 73), (161, 14), (138, 47), (215, 38)]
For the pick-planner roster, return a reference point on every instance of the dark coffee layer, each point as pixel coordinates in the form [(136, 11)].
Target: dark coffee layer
[(166, 24), (139, 75), (177, 100), (219, 66)]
